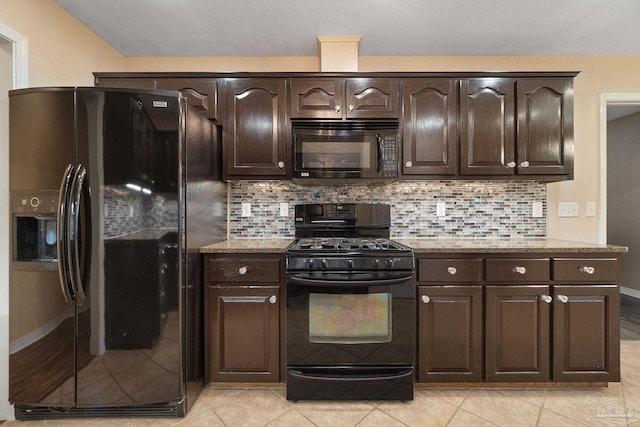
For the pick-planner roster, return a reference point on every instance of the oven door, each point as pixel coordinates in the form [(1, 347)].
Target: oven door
[(350, 319)]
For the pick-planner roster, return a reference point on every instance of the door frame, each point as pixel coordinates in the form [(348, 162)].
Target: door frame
[(605, 100), (20, 55)]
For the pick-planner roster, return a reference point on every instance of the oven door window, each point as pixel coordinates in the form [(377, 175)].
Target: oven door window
[(339, 155), (350, 318)]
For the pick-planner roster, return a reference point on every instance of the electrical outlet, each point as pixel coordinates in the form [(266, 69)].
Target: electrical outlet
[(284, 209), (441, 209), (536, 209), (246, 209), (567, 209), (590, 209)]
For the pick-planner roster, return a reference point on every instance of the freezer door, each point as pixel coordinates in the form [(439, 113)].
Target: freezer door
[(41, 322), (129, 324)]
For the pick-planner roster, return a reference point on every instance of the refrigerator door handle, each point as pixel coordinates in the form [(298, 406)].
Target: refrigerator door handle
[(62, 234), (80, 273)]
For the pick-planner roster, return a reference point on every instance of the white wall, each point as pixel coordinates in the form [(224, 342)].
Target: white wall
[(6, 83)]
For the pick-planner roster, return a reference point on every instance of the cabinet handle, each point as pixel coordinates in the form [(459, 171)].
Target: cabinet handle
[(281, 165), (563, 299), (338, 108), (511, 165), (425, 299), (243, 270), (520, 270), (546, 298), (587, 269), (350, 108), (452, 270), (273, 299), (524, 164), (408, 163)]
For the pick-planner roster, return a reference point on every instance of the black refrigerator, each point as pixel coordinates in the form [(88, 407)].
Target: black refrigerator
[(112, 193)]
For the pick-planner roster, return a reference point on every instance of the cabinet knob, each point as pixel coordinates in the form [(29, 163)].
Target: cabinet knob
[(511, 165), (408, 163), (351, 108), (273, 299), (452, 270), (338, 108), (243, 270), (524, 164), (281, 165), (563, 299), (587, 269), (520, 270), (546, 298), (425, 299)]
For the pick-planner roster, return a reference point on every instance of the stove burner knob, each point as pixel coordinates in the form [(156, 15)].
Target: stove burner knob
[(350, 264), (376, 263), (310, 264), (390, 263), (324, 264)]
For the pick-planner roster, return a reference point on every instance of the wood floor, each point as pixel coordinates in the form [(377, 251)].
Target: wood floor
[(629, 318)]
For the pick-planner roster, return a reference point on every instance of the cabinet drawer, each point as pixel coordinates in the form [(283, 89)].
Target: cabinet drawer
[(517, 270), (449, 270), (244, 270), (585, 270)]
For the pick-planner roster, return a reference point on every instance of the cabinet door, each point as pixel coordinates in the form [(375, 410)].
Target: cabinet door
[(372, 98), (545, 126), (586, 333), (244, 333), (449, 333), (430, 138), (202, 93), (254, 135), (317, 98), (487, 128), (517, 333)]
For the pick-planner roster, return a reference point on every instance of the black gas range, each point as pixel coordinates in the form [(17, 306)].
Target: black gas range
[(350, 306)]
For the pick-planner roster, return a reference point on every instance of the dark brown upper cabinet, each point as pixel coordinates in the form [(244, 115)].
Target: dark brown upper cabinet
[(202, 93), (354, 98), (487, 128), (545, 127), (430, 127), (255, 128), (516, 126)]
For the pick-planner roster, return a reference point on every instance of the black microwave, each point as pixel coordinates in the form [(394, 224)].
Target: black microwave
[(343, 151)]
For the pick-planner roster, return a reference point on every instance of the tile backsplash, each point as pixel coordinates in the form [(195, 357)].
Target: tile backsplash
[(473, 208)]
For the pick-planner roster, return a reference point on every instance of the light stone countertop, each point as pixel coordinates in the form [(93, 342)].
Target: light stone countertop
[(248, 246), (430, 245)]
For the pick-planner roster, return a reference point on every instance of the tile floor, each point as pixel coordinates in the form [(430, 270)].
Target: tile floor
[(617, 405)]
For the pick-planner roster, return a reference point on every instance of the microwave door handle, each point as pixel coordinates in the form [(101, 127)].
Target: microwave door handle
[(62, 234), (380, 151)]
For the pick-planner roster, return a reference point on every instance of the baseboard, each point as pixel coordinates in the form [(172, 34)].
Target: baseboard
[(630, 292), (28, 339)]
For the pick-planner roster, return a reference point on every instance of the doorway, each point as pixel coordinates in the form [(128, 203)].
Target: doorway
[(620, 184)]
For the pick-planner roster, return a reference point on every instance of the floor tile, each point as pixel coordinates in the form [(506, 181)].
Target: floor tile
[(584, 405), (251, 408), (424, 410), (377, 418), (334, 414), (505, 407), (463, 418), (291, 418)]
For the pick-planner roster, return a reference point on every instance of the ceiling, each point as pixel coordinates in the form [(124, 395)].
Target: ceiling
[(387, 27)]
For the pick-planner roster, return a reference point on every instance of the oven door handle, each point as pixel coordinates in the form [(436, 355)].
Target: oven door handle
[(320, 282), (333, 377)]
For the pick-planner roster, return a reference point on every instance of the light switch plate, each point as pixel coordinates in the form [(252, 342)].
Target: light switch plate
[(284, 209), (246, 209), (567, 209), (441, 209), (590, 209), (536, 209)]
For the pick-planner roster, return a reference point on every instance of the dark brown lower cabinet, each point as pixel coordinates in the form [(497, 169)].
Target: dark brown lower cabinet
[(450, 333), (244, 333), (586, 333), (517, 333)]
